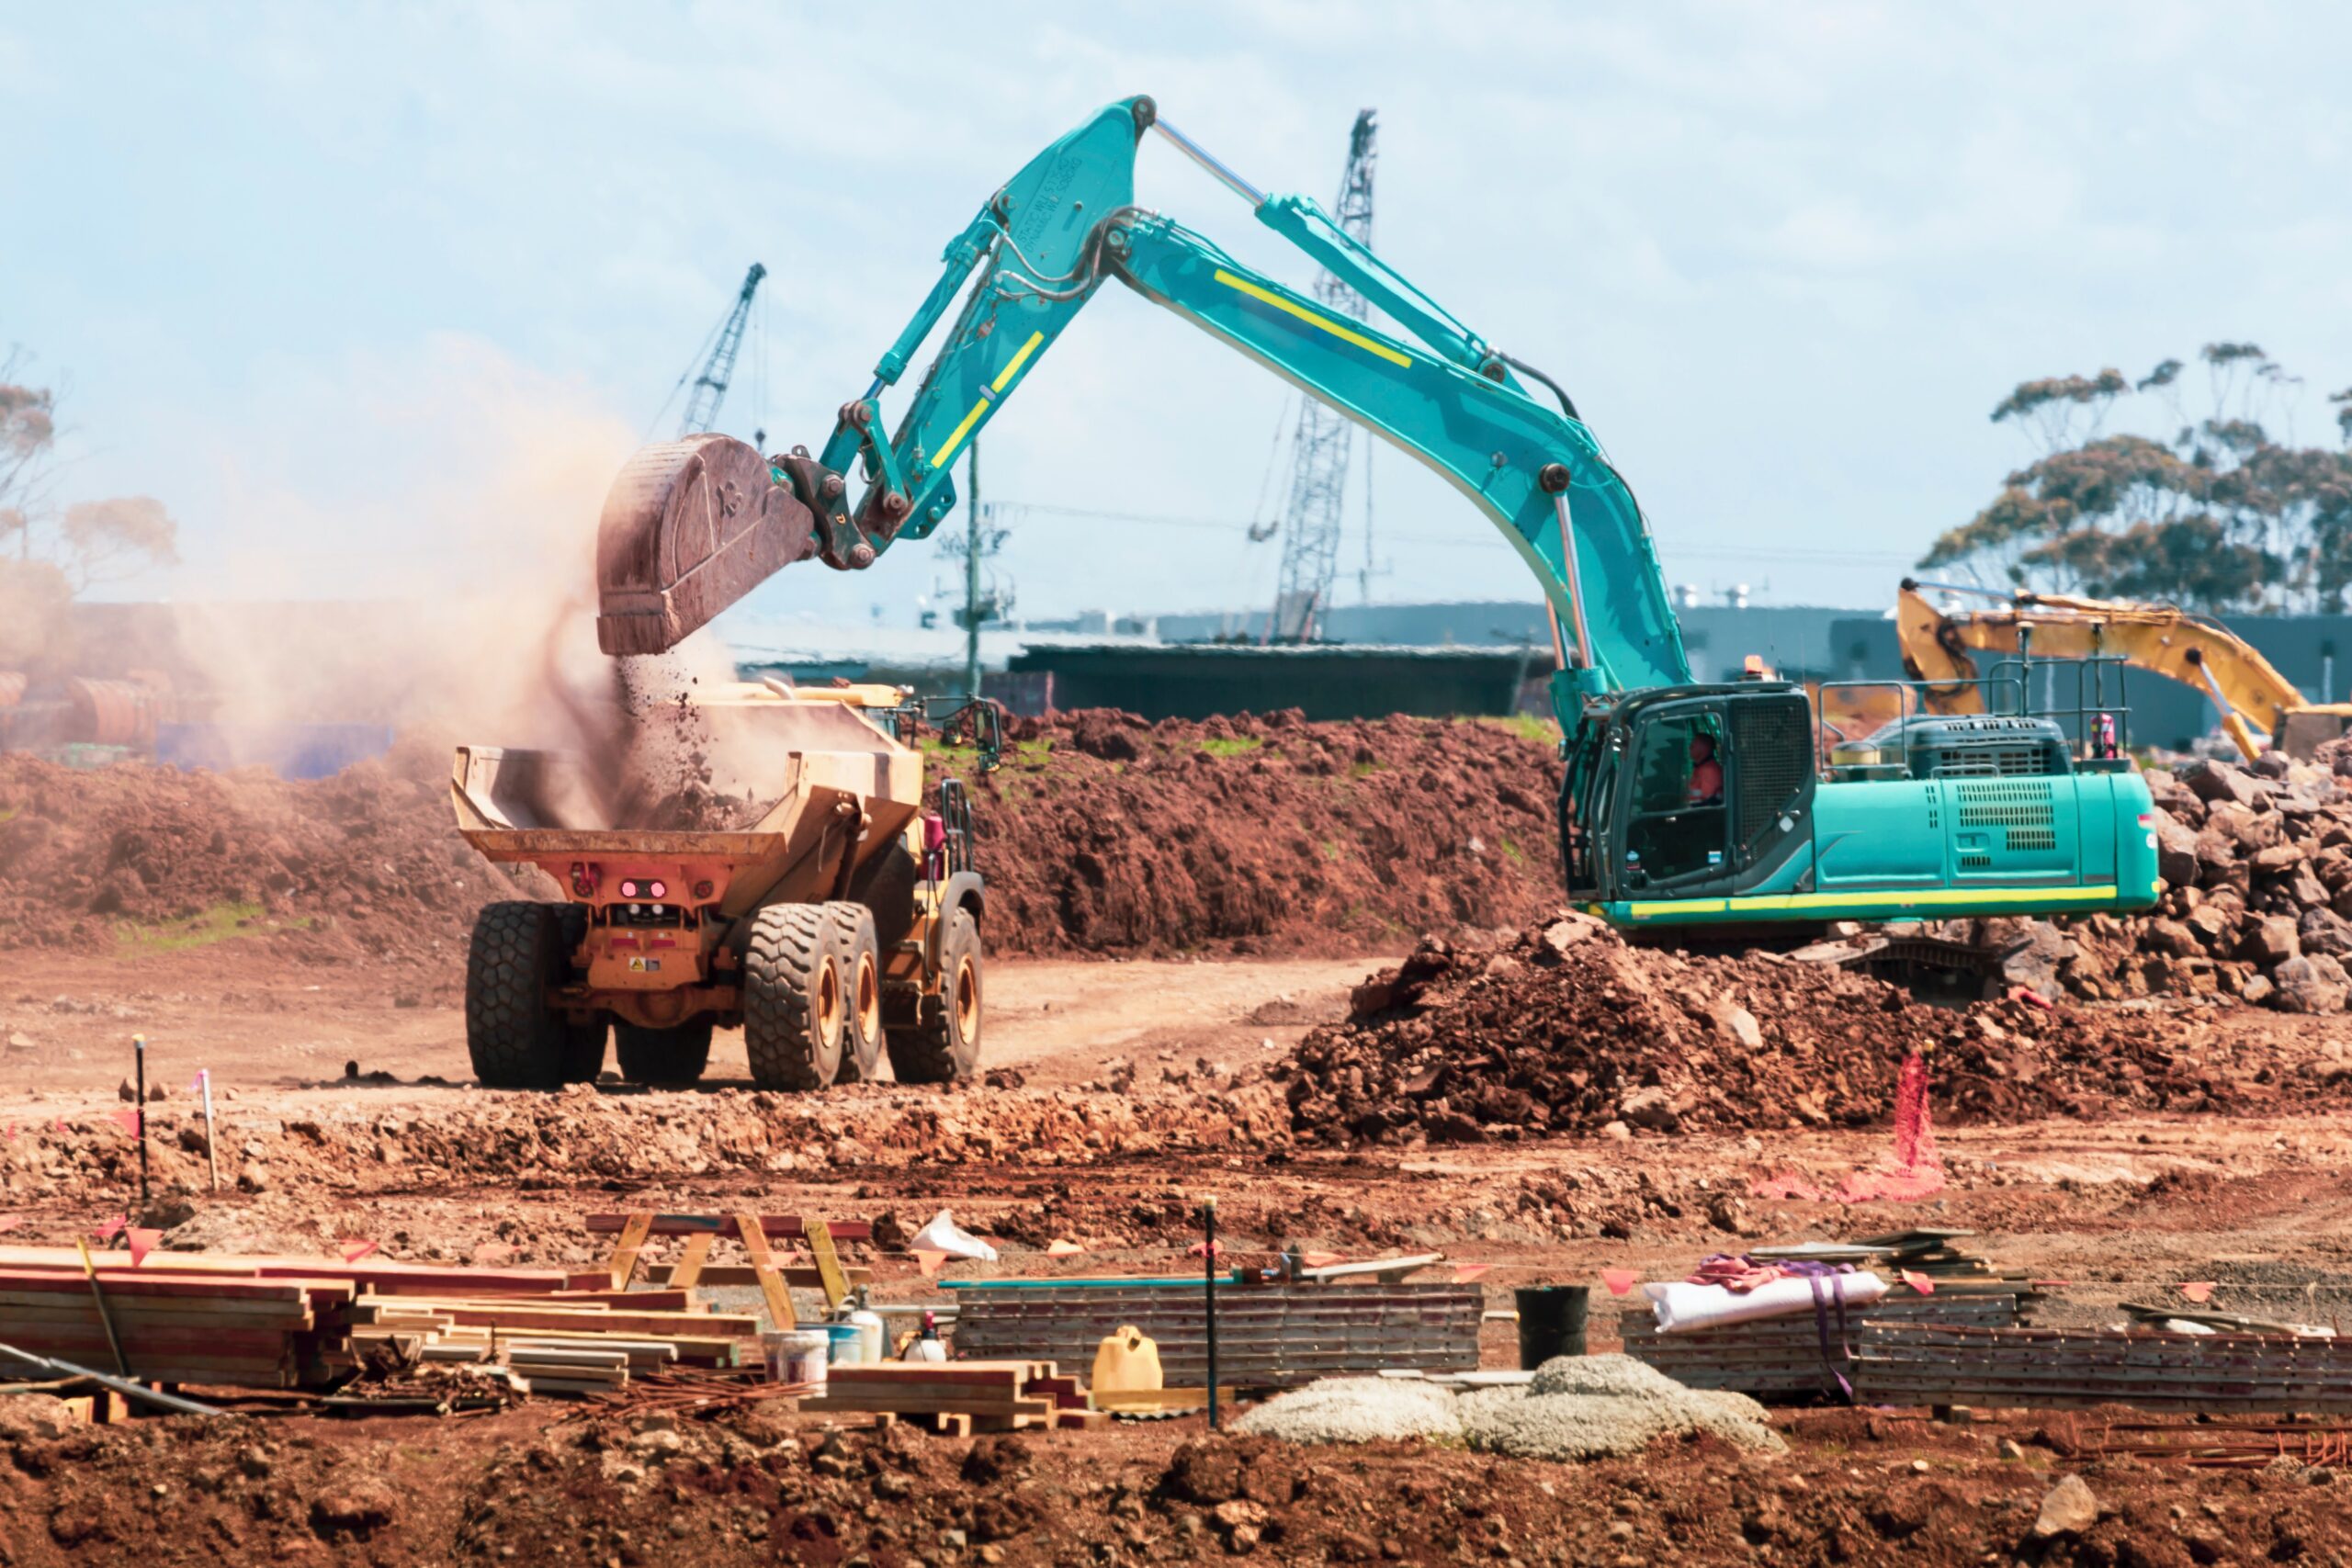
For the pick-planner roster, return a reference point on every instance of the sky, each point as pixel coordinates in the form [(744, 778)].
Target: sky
[(378, 298)]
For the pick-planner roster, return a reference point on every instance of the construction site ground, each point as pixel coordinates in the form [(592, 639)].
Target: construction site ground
[(1175, 1011), (2123, 1208)]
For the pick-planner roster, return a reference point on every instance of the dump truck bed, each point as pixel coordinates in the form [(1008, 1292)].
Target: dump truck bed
[(839, 784)]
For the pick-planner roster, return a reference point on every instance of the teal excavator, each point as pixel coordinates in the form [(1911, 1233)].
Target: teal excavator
[(1682, 805)]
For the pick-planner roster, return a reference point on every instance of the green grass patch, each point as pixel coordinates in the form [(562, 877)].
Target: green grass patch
[(1232, 745), (222, 922), (1333, 851), (1366, 769), (1527, 727), (1512, 851), (10, 813)]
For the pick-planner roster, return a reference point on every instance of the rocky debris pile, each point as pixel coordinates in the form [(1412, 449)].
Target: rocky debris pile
[(1565, 1028), (1267, 834), (2257, 866)]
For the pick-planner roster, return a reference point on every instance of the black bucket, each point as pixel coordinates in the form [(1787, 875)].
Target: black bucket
[(1551, 1323)]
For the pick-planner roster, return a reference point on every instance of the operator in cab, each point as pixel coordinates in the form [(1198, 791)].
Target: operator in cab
[(1706, 773)]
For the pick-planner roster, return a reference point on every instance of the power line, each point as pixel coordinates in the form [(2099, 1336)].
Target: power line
[(1226, 525)]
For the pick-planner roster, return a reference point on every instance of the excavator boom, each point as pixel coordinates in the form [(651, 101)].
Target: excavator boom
[(693, 527)]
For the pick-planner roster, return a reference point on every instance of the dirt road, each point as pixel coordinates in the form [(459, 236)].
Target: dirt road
[(257, 1024), (414, 1158)]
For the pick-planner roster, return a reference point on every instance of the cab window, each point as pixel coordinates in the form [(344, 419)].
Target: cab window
[(1680, 828)]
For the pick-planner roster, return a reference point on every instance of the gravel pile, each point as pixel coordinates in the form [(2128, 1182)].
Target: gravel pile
[(1603, 1407), (1576, 1408), (1355, 1410)]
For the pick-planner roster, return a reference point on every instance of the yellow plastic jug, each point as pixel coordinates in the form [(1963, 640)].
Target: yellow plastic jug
[(1127, 1362)]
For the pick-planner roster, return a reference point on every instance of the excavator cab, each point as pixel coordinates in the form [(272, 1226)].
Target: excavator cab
[(1688, 791)]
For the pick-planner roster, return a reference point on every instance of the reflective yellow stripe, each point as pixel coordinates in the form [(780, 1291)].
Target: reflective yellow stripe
[(961, 431), (1897, 899), (1311, 319), (1004, 378)]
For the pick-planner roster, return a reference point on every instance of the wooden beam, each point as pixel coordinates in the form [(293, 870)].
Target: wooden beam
[(788, 1225)]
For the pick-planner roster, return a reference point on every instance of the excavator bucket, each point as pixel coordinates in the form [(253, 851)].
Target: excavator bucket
[(689, 527)]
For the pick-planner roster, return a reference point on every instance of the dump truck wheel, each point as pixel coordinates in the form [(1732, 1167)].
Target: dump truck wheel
[(584, 1043), (517, 1041), (583, 1049), (860, 956), (944, 1045), (677, 1055), (792, 1005)]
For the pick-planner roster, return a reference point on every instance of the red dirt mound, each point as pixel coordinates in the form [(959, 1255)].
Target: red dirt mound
[(1267, 834), (1099, 834), (365, 863), (1565, 1028)]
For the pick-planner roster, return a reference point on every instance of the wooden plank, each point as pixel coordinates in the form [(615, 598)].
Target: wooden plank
[(787, 1225), (688, 1268), (829, 1264), (562, 1356), (749, 1227), (698, 1324), (128, 1282), (1040, 1409), (618, 1272), (985, 1374), (799, 1276)]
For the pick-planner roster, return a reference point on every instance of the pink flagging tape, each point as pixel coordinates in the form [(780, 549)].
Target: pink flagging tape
[(1620, 1281)]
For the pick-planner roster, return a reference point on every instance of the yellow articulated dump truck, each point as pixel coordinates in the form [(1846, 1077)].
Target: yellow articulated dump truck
[(800, 891)]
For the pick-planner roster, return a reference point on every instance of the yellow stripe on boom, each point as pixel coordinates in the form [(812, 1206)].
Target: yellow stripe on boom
[(1004, 377), (1311, 319), (955, 439)]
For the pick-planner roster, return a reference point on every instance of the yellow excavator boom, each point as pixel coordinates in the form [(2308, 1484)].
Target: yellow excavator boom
[(2258, 706)]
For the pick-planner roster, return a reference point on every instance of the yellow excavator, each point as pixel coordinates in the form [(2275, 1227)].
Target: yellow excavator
[(2259, 707)]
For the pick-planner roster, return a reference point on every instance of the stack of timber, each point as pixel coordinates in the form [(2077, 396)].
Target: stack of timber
[(2071, 1368), (282, 1321), (960, 1397), (1954, 1269), (168, 1328), (570, 1342), (1802, 1355), (1268, 1335)]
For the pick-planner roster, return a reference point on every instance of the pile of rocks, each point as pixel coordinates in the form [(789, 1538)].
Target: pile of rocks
[(1565, 1028), (2257, 866)]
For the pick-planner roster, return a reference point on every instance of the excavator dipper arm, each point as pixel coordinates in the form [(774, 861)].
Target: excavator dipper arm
[(1042, 246)]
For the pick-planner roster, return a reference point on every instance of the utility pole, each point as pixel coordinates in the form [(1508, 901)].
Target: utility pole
[(972, 582)]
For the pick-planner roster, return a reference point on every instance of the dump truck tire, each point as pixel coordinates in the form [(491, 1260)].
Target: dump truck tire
[(583, 1049), (851, 928), (677, 1055), (584, 1043), (792, 999), (517, 1041), (944, 1044)]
